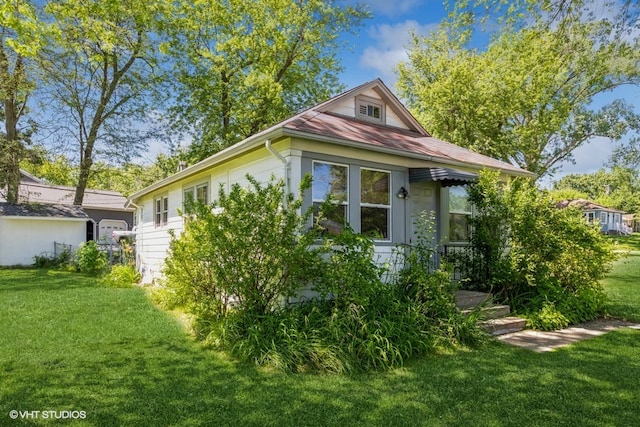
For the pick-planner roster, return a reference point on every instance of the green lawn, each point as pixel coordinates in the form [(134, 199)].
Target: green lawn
[(626, 243), (623, 288), (67, 344)]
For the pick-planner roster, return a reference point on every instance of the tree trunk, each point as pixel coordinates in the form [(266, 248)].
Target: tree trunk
[(11, 149), (85, 169)]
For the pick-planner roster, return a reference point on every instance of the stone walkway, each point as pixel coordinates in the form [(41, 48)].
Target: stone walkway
[(540, 341)]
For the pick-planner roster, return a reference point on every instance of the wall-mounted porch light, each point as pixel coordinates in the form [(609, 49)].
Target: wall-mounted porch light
[(402, 193)]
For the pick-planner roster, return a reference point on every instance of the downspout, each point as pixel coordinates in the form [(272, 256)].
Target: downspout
[(285, 164)]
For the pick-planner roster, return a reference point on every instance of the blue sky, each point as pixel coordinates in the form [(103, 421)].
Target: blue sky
[(381, 44)]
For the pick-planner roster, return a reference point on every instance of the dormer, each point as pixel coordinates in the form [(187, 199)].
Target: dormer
[(373, 103)]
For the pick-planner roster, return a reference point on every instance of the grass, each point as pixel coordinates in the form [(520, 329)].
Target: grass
[(623, 288), (68, 344), (626, 243)]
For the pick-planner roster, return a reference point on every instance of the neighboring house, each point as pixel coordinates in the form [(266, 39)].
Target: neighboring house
[(362, 147), (611, 220), (45, 215)]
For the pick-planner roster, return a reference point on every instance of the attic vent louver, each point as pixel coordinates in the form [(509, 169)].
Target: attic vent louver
[(370, 109)]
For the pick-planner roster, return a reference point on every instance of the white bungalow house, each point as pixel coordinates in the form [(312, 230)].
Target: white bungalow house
[(363, 147), (611, 220)]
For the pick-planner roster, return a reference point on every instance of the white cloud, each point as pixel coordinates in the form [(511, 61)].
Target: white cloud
[(390, 46), (588, 158), (392, 8)]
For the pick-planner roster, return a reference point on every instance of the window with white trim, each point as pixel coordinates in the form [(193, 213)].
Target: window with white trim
[(459, 214), (161, 211), (375, 203), (331, 181)]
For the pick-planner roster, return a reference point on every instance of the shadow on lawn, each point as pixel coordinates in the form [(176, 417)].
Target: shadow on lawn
[(27, 279)]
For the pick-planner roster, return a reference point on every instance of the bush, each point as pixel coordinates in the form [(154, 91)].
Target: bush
[(91, 260), (121, 276), (348, 275), (233, 270), (544, 261), (247, 251), (52, 261)]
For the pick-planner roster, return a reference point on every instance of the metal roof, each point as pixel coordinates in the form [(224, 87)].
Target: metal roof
[(321, 124)]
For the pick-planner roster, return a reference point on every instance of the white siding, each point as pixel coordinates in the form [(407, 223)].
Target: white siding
[(23, 238), (152, 243), (345, 108), (394, 120)]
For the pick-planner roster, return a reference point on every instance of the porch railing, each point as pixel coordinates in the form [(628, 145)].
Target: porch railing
[(466, 262)]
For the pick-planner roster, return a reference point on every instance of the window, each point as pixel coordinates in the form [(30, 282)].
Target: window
[(370, 109), (375, 203), (459, 214), (202, 193), (161, 211), (591, 217), (188, 196), (331, 181), (199, 193)]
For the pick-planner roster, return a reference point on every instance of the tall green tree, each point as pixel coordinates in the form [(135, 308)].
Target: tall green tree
[(127, 178), (19, 42), (526, 98), (243, 65), (54, 168), (101, 70)]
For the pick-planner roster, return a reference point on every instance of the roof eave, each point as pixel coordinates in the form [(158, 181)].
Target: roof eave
[(241, 147), (109, 208)]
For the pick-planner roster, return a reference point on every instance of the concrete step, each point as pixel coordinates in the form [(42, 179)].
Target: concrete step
[(492, 311), (504, 325), (469, 299)]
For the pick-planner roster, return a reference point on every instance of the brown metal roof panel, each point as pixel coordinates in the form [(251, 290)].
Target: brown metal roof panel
[(331, 125)]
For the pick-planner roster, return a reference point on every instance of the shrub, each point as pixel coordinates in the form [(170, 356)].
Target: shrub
[(121, 276), (544, 261), (64, 258), (248, 250), (234, 269), (431, 291), (349, 274), (91, 260)]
